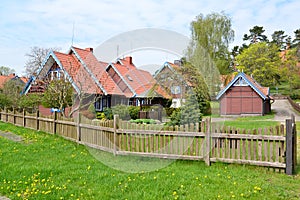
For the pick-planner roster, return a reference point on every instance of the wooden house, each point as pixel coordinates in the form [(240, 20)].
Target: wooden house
[(244, 96), (108, 84)]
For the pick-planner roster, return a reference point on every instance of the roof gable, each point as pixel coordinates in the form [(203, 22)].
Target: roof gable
[(242, 79)]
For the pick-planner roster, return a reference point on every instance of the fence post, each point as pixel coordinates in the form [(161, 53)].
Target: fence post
[(6, 112), (24, 119), (291, 141), (207, 139), (116, 126), (78, 127), (54, 122), (37, 120), (14, 116)]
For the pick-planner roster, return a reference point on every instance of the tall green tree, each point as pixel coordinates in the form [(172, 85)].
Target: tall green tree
[(296, 40), (289, 70), (261, 60), (199, 89), (256, 35), (279, 38), (208, 49)]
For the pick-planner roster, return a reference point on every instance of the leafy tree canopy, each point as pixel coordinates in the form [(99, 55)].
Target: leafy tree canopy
[(256, 35), (211, 36), (280, 39), (261, 60)]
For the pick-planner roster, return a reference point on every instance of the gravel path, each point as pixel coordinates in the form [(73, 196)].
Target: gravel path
[(283, 110)]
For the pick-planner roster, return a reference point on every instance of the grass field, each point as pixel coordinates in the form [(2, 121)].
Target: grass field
[(253, 122), (45, 166)]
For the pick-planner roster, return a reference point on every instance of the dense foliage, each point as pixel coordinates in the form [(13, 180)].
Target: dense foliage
[(262, 61)]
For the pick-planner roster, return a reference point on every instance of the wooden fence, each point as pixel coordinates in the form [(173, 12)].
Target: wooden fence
[(273, 147)]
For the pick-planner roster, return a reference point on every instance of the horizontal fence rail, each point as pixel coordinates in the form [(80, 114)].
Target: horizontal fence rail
[(204, 141)]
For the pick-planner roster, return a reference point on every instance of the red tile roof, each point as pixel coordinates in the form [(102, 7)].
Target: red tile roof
[(264, 90), (4, 79), (83, 53), (91, 76), (80, 76), (141, 81), (98, 69)]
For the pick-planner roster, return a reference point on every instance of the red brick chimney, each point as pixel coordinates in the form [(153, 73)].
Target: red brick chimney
[(129, 59), (89, 49)]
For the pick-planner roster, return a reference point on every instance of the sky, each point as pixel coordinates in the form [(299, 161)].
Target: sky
[(90, 23)]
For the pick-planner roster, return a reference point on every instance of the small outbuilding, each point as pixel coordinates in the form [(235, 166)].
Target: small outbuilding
[(244, 96)]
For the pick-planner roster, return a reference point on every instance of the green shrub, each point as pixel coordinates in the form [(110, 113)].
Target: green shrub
[(169, 111), (295, 95), (122, 111), (134, 111), (207, 108), (175, 118), (143, 121), (5, 101), (108, 113)]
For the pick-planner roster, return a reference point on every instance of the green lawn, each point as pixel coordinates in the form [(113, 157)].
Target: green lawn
[(46, 166), (252, 122)]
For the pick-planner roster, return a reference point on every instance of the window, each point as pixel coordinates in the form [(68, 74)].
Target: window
[(175, 90), (101, 103), (240, 82), (129, 78)]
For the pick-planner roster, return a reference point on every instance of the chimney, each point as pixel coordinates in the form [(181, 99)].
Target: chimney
[(12, 75), (89, 49), (178, 62), (129, 59)]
